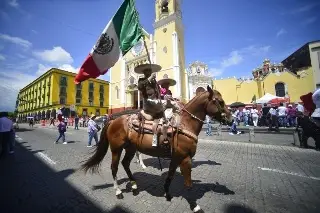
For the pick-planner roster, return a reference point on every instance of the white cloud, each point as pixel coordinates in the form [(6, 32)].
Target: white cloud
[(309, 20), (16, 40), (2, 58), (237, 56), (13, 3), (44, 68), (4, 15), (281, 32), (55, 55), (233, 59)]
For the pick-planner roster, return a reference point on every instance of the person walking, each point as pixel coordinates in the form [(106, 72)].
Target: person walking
[(51, 121), (61, 129), (6, 129), (76, 122), (92, 130), (209, 127)]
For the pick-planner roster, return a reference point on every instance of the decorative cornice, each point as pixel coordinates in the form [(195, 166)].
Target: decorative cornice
[(167, 20)]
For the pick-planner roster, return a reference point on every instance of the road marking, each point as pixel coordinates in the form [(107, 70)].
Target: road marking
[(45, 157), (288, 173)]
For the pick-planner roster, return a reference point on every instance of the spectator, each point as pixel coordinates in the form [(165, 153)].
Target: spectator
[(6, 129), (273, 118), (265, 115), (254, 115), (209, 127), (291, 115), (92, 130), (61, 129), (245, 114), (51, 121), (76, 122), (233, 129), (316, 100), (282, 115)]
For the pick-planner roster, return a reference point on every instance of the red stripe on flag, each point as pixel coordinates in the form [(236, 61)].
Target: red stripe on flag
[(87, 70)]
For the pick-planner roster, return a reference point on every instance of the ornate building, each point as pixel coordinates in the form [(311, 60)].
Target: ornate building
[(198, 78), (294, 76)]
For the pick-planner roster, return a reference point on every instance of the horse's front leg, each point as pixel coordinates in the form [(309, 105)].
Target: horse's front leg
[(185, 168), (139, 160), (130, 151)]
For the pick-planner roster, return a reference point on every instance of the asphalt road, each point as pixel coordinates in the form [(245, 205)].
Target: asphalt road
[(228, 177)]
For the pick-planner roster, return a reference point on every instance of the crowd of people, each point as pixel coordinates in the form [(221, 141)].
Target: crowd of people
[(268, 116)]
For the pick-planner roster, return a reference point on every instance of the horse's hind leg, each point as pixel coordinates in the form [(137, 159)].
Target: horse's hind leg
[(140, 160), (172, 170), (130, 152), (114, 168), (185, 167)]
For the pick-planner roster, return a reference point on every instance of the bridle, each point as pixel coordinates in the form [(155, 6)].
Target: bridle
[(205, 108)]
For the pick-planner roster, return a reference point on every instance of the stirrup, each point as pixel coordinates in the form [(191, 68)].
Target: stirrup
[(166, 141)]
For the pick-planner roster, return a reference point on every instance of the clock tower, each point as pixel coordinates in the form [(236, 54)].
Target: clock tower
[(165, 47), (169, 42)]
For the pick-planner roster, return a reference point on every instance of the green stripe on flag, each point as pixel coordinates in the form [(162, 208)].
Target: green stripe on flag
[(127, 26)]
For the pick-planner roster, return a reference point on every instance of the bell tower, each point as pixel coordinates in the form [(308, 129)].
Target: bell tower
[(169, 45)]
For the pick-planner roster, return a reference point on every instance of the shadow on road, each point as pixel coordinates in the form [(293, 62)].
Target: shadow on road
[(23, 130), (29, 185), (155, 187), (154, 163), (237, 208)]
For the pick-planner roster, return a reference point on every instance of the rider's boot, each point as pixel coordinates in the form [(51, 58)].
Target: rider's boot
[(155, 133)]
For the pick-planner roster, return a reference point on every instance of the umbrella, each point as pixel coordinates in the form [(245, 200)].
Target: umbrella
[(237, 104), (278, 100)]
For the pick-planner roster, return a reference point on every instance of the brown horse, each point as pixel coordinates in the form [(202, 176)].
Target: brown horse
[(119, 135)]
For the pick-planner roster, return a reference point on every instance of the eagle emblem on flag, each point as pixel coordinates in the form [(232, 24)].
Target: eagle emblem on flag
[(104, 45)]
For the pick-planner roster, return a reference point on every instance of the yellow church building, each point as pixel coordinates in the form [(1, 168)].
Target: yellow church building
[(293, 77)]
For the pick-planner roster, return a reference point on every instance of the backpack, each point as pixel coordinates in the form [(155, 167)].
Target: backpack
[(62, 128)]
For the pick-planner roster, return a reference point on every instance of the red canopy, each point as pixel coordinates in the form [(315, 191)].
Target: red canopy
[(279, 100)]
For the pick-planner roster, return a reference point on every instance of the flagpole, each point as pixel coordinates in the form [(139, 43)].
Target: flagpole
[(149, 59)]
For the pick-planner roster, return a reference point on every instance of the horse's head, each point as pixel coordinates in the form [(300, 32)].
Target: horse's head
[(216, 108)]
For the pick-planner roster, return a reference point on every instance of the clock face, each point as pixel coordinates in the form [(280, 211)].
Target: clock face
[(137, 49)]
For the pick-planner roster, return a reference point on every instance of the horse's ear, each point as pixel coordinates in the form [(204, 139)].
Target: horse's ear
[(210, 92)]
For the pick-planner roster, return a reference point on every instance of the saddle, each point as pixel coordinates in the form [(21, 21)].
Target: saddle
[(143, 123)]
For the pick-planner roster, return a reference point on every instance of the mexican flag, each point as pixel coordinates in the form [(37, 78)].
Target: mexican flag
[(119, 36)]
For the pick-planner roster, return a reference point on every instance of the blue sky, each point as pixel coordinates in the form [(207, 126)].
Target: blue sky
[(231, 36)]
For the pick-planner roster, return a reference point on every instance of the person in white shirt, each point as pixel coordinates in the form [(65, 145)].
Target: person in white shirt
[(316, 100), (6, 130), (254, 115), (273, 118), (282, 115)]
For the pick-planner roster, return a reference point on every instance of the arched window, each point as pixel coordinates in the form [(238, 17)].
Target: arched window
[(280, 89), (118, 92), (131, 80)]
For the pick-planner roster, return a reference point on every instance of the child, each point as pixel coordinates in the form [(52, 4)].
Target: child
[(61, 129)]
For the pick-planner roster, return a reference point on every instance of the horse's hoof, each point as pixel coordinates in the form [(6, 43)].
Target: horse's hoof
[(200, 211), (168, 197), (120, 196), (135, 192)]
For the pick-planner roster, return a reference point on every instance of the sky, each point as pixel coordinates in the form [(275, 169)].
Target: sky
[(232, 36)]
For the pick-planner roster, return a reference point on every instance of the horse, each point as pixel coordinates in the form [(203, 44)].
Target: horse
[(309, 128), (120, 135)]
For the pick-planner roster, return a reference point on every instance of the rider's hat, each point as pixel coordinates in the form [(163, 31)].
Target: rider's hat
[(166, 80), (140, 69)]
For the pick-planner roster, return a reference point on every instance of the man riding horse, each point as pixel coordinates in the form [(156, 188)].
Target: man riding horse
[(155, 107), (152, 104)]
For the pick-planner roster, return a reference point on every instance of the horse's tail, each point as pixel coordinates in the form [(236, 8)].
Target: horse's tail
[(94, 162)]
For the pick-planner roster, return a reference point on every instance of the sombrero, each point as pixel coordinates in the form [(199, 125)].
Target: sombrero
[(167, 80), (142, 67)]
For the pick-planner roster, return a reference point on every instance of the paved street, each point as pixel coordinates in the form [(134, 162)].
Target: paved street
[(266, 175)]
